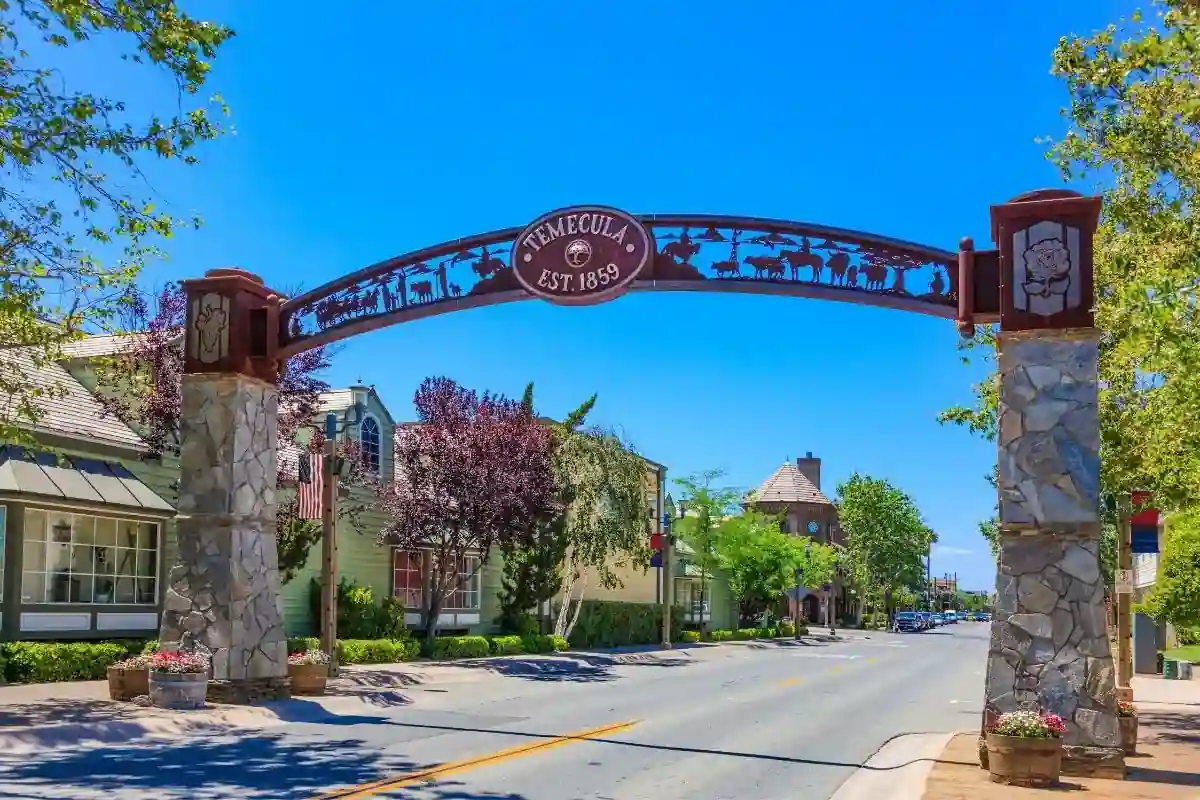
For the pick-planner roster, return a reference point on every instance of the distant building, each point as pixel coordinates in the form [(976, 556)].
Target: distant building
[(794, 493)]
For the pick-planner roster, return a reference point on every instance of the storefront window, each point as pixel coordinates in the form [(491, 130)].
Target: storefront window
[(79, 558), (406, 577), (465, 594)]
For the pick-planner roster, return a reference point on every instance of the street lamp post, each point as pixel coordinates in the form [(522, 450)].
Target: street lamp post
[(671, 512)]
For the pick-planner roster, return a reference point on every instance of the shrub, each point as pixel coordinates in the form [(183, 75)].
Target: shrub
[(787, 629), (544, 643), (44, 662), (745, 634), (302, 644), (150, 647), (359, 616), (720, 635), (767, 633), (507, 646), (377, 651), (691, 637), (447, 647), (612, 623)]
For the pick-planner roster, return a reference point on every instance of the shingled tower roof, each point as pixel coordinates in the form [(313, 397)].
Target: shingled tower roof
[(789, 485)]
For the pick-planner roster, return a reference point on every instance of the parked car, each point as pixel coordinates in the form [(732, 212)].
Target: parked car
[(907, 622), (926, 620), (951, 617)]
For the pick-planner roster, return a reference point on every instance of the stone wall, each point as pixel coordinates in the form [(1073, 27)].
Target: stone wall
[(223, 593), (1049, 648)]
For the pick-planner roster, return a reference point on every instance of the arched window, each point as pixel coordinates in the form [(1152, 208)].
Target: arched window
[(368, 434)]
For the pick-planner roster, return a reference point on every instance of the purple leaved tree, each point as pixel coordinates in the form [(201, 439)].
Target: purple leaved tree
[(474, 472), (143, 388)]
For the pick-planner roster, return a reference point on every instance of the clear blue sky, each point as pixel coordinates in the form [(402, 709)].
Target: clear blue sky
[(365, 135)]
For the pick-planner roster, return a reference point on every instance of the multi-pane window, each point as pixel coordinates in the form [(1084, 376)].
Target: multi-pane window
[(692, 596), (406, 577), (465, 594), (79, 558), (370, 439)]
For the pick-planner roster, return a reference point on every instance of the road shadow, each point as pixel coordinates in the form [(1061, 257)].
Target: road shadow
[(57, 711), (570, 668), (1170, 726), (780, 644), (263, 766)]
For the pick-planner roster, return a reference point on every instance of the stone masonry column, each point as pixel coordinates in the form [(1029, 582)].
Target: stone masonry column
[(1049, 646), (224, 591)]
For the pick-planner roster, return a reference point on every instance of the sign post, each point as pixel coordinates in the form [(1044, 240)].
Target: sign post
[(329, 572)]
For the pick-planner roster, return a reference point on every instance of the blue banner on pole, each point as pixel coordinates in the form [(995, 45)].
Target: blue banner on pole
[(1143, 539), (656, 559)]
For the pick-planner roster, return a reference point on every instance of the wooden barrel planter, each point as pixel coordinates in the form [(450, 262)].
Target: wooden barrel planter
[(126, 684), (1020, 761), (308, 679), (178, 690), (1129, 732)]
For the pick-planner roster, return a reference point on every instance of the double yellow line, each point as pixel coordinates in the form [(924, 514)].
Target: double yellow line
[(454, 767)]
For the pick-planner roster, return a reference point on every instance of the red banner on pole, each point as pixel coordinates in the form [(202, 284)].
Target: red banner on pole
[(656, 541), (1143, 515)]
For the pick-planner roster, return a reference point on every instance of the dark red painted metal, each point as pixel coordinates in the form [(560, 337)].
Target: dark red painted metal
[(692, 253)]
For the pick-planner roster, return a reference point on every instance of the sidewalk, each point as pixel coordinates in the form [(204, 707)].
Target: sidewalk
[(1166, 766)]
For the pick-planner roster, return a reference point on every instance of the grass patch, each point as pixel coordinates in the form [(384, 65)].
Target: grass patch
[(1189, 653)]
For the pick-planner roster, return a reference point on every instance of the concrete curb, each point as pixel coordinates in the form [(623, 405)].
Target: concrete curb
[(898, 770)]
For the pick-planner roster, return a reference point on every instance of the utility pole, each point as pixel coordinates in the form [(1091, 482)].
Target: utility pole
[(1124, 622), (667, 600), (329, 572)]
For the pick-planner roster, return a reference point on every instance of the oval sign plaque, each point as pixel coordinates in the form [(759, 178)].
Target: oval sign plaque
[(581, 255)]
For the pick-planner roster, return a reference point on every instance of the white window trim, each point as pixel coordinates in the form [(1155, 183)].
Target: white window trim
[(379, 429), (49, 511)]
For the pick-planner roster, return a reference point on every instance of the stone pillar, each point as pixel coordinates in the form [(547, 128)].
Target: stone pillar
[(1049, 646), (224, 591)]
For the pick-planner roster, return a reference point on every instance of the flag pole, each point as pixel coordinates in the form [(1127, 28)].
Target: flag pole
[(329, 582)]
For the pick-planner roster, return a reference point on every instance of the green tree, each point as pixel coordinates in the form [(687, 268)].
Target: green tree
[(533, 571), (1133, 119), (761, 562), (886, 540), (706, 507), (74, 234), (1175, 597)]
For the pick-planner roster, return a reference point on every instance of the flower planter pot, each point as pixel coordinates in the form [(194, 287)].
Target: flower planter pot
[(178, 690), (308, 678), (1018, 761), (126, 684), (1129, 731)]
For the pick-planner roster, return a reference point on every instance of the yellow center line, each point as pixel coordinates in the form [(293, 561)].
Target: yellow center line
[(872, 660), (836, 669), (789, 682), (454, 767)]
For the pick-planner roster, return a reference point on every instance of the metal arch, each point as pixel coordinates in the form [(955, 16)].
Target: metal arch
[(472, 272)]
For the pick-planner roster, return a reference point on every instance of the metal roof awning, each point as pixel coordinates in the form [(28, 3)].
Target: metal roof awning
[(76, 479)]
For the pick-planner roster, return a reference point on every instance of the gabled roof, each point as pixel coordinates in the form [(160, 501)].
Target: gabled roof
[(789, 485), (67, 407)]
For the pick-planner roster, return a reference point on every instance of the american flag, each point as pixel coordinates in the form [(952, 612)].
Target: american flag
[(310, 479)]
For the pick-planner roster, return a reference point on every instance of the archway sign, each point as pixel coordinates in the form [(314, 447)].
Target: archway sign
[(1049, 645)]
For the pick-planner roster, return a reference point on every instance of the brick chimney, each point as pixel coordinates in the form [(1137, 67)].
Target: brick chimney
[(811, 468)]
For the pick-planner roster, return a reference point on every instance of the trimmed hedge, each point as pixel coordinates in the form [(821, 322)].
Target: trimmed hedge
[(51, 662), (783, 631), (689, 637), (613, 623)]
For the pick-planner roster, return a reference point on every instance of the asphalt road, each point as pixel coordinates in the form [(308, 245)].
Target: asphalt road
[(755, 721)]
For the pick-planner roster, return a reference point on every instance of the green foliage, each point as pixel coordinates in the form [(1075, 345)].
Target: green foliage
[(68, 162), (886, 540), (720, 635), (761, 562), (707, 506), (544, 643), (296, 538), (449, 647), (1133, 115), (375, 651), (689, 637), (506, 646), (533, 570), (611, 623), (787, 629), (46, 662), (359, 616), (1175, 597)]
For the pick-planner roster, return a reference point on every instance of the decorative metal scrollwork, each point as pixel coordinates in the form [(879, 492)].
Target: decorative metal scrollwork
[(728, 253)]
